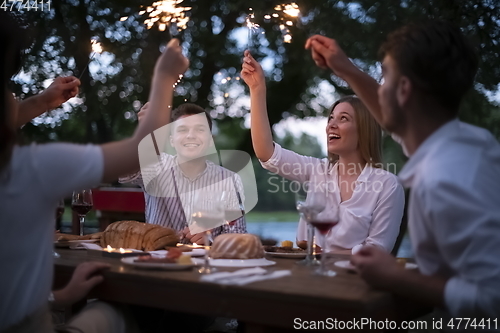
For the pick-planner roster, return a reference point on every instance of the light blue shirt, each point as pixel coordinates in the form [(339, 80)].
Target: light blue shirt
[(454, 215)]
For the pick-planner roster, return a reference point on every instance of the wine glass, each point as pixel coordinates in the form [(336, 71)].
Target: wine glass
[(208, 213), (324, 222), (233, 208), (81, 203), (310, 203), (59, 214)]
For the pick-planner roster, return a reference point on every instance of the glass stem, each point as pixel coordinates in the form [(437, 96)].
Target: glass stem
[(310, 241), (323, 256), (207, 248), (82, 222)]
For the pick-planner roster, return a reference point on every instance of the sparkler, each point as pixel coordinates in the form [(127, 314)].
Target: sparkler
[(96, 49), (252, 26), (165, 13), (291, 10)]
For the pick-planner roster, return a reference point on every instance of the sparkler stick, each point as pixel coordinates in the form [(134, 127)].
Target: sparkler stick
[(251, 27), (96, 48)]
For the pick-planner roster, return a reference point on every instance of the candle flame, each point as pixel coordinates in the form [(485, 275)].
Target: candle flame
[(109, 248)]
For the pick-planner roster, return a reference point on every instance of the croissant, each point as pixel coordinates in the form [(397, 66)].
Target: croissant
[(138, 235)]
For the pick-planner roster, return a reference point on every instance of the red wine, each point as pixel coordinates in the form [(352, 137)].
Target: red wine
[(323, 226), (59, 212), (81, 209)]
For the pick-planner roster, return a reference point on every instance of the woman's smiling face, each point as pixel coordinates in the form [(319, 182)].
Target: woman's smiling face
[(342, 130)]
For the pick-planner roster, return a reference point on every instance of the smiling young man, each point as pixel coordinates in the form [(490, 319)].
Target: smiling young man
[(170, 192), (453, 170)]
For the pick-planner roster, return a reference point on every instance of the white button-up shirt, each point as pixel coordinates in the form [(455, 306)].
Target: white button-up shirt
[(454, 215), (372, 216)]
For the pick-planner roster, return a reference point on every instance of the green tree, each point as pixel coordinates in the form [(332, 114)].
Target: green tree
[(110, 96)]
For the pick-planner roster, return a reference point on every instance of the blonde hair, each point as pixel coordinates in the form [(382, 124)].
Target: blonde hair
[(369, 133)]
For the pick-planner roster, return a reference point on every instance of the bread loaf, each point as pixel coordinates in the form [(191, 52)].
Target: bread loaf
[(138, 235), (237, 246)]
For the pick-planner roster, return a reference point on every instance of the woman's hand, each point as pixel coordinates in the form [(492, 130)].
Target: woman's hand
[(172, 62), (252, 72)]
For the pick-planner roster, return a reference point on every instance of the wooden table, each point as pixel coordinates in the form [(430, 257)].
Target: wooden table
[(266, 306)]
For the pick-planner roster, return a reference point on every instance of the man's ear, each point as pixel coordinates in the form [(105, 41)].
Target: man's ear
[(171, 141), (212, 142), (404, 90)]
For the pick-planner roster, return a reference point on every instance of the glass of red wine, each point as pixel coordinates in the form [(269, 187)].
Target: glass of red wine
[(324, 222), (82, 203)]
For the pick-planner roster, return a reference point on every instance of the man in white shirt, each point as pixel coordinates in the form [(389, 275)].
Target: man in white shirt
[(453, 171)]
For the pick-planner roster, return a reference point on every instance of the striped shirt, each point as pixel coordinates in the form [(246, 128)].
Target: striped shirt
[(170, 195)]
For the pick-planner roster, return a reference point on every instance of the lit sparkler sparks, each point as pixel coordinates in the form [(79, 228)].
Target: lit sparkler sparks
[(252, 27), (96, 49), (291, 10), (165, 13)]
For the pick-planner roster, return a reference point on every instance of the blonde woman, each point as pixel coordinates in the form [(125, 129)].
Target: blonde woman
[(370, 199)]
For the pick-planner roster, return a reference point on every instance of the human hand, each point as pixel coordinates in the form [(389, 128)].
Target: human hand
[(61, 90), (142, 113), (252, 72), (199, 239), (172, 63), (326, 53), (85, 277), (376, 266)]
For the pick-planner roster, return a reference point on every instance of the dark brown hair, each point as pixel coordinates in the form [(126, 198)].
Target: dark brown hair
[(11, 41), (369, 132), (440, 62), (190, 109)]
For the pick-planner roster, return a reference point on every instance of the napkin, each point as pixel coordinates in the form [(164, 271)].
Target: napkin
[(244, 276)]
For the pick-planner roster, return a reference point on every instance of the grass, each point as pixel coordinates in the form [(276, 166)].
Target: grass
[(280, 216)]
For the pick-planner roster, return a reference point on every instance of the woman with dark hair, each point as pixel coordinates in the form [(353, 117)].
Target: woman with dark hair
[(33, 178), (370, 199)]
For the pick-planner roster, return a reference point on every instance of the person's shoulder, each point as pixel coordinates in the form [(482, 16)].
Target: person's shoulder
[(384, 176)]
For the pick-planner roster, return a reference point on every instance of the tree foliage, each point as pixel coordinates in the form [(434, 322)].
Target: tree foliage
[(113, 92)]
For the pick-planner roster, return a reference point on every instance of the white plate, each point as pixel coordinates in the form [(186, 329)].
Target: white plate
[(236, 262), (296, 255), (347, 265), (154, 265), (195, 253)]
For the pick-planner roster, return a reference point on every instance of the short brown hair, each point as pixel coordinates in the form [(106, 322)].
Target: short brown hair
[(190, 109), (437, 58), (369, 132)]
